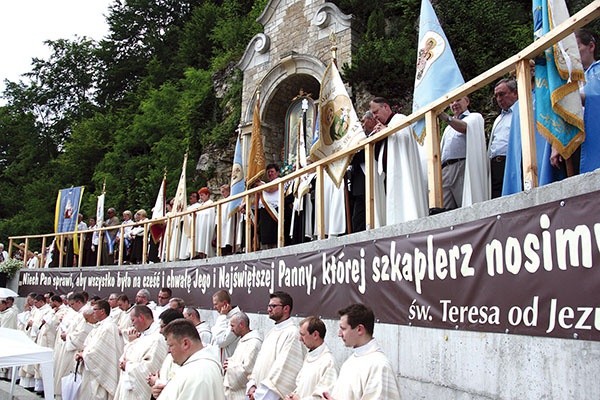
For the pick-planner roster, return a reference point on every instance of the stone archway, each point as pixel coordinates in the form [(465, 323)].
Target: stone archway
[(278, 88)]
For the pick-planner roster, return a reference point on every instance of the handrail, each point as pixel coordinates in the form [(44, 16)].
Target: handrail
[(518, 62)]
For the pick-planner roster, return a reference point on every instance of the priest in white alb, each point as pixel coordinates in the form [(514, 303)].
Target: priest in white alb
[(100, 356), (406, 188), (239, 366), (200, 375), (281, 355), (143, 355), (222, 335), (318, 373), (367, 373)]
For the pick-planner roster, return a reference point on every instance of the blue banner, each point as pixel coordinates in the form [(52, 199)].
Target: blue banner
[(437, 71), (67, 209)]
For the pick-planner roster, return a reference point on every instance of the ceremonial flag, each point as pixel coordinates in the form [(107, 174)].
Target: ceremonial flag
[(339, 125), (180, 201), (67, 209), (238, 183), (67, 212), (437, 71), (158, 211), (558, 113), (256, 155), (100, 211)]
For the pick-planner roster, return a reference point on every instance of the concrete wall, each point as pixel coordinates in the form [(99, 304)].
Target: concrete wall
[(449, 364), (452, 364)]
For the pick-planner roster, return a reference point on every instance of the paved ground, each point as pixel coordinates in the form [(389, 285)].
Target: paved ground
[(19, 393)]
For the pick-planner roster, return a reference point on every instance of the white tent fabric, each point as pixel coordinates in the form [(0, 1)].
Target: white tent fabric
[(17, 349)]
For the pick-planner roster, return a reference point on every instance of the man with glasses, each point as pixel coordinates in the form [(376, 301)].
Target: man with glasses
[(367, 373), (164, 295), (281, 356)]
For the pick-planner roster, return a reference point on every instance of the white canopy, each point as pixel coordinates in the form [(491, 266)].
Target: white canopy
[(18, 349)]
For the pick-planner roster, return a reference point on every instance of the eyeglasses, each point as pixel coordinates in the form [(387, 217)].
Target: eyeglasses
[(271, 306)]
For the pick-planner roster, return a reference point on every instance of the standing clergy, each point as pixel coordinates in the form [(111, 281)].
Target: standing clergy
[(239, 366), (205, 225), (222, 335), (280, 358), (185, 246), (73, 338), (367, 373), (100, 357), (190, 313), (143, 356), (406, 189), (318, 373), (200, 375), (8, 315)]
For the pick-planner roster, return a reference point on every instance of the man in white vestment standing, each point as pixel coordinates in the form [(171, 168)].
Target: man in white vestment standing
[(406, 171), (367, 373), (222, 335), (239, 366), (8, 319), (200, 375), (465, 168), (281, 356), (73, 340), (115, 311), (8, 315), (162, 301), (190, 313), (100, 356), (143, 356), (318, 373)]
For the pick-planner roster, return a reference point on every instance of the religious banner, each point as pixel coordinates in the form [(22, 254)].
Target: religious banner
[(256, 154), (532, 272), (158, 211), (67, 209), (238, 181), (339, 126), (437, 71), (558, 110), (100, 210)]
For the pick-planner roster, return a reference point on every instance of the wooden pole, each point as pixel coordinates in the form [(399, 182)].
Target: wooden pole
[(369, 185), (526, 121), (434, 168)]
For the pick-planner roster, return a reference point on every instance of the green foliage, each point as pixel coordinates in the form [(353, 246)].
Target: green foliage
[(385, 59)]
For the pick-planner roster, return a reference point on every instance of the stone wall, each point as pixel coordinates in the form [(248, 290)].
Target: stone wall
[(289, 55)]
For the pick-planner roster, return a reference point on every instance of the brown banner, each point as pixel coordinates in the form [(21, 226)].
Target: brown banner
[(532, 272)]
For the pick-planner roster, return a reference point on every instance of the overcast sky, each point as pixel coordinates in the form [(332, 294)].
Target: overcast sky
[(26, 24)]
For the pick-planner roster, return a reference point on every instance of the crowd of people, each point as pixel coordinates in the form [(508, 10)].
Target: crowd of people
[(163, 349)]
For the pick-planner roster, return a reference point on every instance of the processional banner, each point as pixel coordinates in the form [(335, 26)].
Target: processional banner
[(339, 126)]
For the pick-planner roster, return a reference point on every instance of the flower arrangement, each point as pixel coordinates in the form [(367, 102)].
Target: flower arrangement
[(10, 267)]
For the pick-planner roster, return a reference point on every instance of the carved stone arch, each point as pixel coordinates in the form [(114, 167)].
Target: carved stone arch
[(277, 89), (293, 64)]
